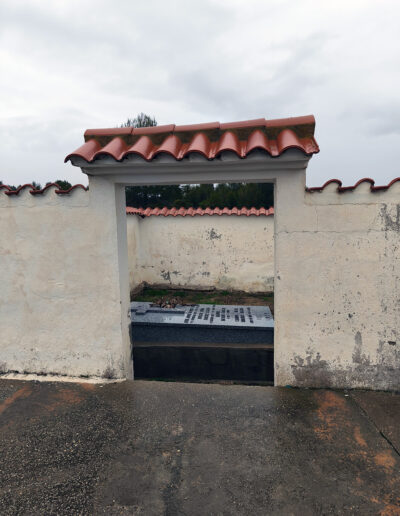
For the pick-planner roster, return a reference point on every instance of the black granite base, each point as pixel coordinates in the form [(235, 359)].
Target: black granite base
[(203, 342), (172, 362), (201, 335)]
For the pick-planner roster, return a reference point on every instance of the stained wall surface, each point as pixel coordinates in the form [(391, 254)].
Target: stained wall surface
[(64, 295), (338, 287), (60, 293), (226, 252)]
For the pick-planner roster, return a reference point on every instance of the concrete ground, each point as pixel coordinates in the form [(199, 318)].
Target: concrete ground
[(155, 448)]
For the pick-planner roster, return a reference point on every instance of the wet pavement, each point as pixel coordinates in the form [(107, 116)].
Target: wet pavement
[(157, 448)]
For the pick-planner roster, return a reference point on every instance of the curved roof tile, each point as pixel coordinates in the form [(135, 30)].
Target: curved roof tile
[(143, 147), (171, 145), (257, 140), (274, 136), (117, 149), (341, 189), (192, 212), (287, 139), (87, 151), (200, 143), (33, 191)]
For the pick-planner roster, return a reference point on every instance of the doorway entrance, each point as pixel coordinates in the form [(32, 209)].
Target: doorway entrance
[(195, 275), (255, 151)]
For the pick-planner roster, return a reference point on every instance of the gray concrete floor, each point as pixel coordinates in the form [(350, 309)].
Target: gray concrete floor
[(155, 448)]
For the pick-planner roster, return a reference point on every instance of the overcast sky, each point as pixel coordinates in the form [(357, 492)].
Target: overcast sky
[(66, 66)]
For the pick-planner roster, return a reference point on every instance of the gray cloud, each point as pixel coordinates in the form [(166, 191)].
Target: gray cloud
[(384, 119), (73, 64)]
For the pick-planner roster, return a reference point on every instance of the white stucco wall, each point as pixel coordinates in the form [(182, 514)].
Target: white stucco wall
[(338, 286), (134, 242), (60, 300), (65, 290), (226, 252)]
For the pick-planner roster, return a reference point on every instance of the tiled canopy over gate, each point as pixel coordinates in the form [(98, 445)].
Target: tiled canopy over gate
[(208, 140), (251, 151)]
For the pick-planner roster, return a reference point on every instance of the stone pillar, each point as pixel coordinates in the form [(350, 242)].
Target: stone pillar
[(107, 201), (289, 208)]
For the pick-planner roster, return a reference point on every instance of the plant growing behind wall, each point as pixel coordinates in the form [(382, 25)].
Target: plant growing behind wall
[(62, 183), (239, 195)]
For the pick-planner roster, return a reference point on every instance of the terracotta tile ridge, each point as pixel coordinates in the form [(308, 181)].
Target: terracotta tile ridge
[(192, 212), (320, 188), (33, 191), (5, 187), (209, 139), (281, 123), (73, 187), (341, 189), (385, 187)]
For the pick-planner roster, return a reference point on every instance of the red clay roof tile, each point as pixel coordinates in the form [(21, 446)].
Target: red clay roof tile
[(294, 120), (258, 140), (197, 127), (118, 131), (258, 122), (341, 189), (229, 142), (201, 144), (143, 147), (156, 129), (272, 136), (88, 150), (207, 211), (33, 191), (171, 145), (116, 148), (287, 139), (191, 212)]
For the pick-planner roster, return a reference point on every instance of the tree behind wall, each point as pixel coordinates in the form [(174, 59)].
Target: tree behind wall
[(141, 120), (62, 183), (197, 196)]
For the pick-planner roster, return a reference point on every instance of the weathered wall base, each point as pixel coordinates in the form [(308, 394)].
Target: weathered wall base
[(364, 372)]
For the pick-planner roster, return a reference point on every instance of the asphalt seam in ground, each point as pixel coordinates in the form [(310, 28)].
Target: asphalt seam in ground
[(369, 418)]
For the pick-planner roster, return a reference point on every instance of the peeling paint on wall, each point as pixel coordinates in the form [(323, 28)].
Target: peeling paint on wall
[(223, 252), (212, 234), (337, 313), (313, 370), (338, 299), (391, 220)]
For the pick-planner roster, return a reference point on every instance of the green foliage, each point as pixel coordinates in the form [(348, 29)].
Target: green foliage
[(147, 196), (152, 196), (36, 186), (141, 120), (63, 184), (197, 196), (10, 186), (222, 195), (205, 297)]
